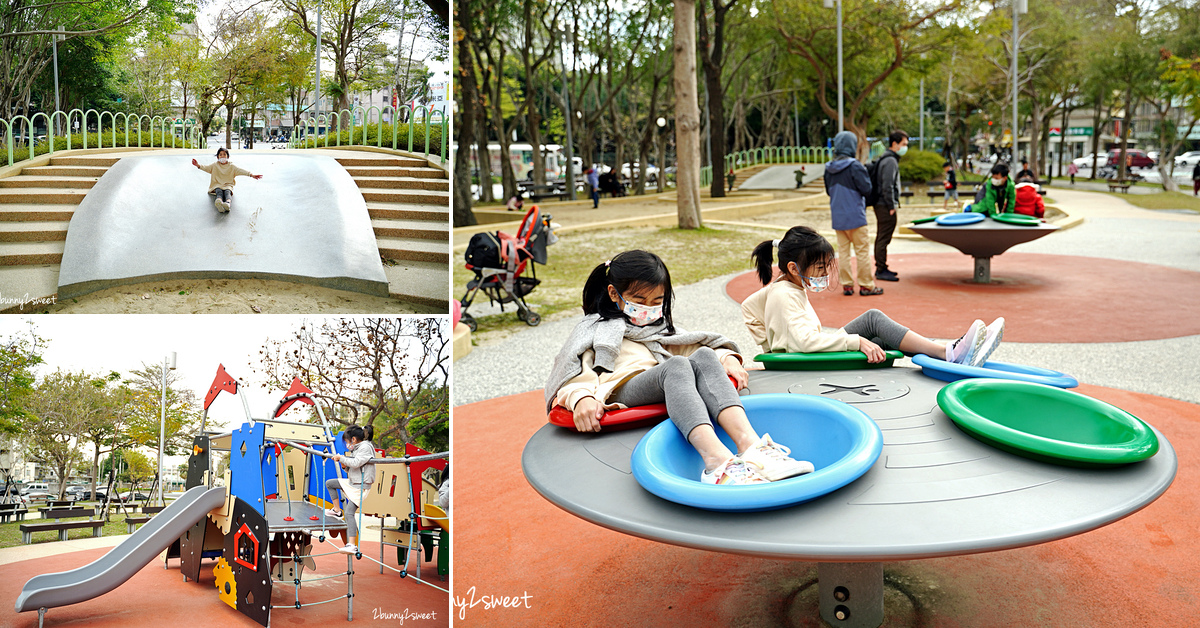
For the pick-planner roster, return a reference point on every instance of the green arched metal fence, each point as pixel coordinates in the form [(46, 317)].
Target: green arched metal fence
[(161, 132), (367, 127), (769, 155)]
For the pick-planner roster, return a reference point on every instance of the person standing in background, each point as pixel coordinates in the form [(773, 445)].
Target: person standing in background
[(888, 175), (593, 183)]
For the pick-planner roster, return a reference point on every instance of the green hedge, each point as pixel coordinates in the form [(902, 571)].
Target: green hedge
[(920, 166), (402, 131), (21, 151)]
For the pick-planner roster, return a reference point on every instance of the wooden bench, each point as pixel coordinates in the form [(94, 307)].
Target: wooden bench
[(1114, 185), (12, 510), (97, 525), (541, 196), (131, 523)]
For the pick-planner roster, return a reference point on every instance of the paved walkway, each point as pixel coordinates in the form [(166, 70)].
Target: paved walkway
[(782, 177)]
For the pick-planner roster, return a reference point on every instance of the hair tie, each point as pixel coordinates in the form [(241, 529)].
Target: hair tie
[(775, 243), (607, 262)]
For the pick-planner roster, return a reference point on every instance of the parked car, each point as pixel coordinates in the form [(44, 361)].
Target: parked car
[(630, 171), (99, 495), (1136, 158), (35, 487), (1189, 159), (1086, 161), (136, 496)]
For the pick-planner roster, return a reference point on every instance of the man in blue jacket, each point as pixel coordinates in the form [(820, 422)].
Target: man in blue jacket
[(846, 183), (888, 174)]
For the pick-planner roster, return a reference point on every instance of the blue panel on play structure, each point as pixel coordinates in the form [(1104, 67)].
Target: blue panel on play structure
[(322, 469), (245, 466), (270, 471)]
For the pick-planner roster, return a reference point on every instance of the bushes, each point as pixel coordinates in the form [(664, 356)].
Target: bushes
[(94, 140), (920, 166), (372, 137)]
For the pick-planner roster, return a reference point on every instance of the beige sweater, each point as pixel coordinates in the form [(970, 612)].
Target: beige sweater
[(633, 359), (223, 174), (780, 319)]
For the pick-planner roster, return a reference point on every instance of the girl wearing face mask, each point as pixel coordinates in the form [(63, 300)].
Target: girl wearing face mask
[(999, 193), (220, 185), (627, 351), (781, 319)]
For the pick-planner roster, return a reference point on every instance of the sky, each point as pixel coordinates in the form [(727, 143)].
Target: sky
[(123, 342)]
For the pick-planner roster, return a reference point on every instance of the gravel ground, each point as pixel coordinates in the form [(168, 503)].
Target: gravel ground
[(521, 361)]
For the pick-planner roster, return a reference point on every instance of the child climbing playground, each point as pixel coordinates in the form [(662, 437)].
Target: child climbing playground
[(360, 476), (224, 173)]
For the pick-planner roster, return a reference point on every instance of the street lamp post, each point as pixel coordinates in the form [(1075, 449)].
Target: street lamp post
[(829, 4), (317, 102), (57, 105), (661, 179), (922, 103), (168, 363), (1019, 7), (569, 168)]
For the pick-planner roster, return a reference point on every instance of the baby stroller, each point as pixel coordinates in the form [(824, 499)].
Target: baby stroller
[(499, 262)]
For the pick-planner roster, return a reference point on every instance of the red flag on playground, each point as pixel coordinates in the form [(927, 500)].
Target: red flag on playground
[(296, 387), (223, 381)]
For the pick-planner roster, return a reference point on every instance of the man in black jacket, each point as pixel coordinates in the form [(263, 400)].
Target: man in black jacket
[(888, 173)]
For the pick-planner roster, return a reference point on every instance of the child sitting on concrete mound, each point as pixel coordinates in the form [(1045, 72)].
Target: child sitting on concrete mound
[(223, 174)]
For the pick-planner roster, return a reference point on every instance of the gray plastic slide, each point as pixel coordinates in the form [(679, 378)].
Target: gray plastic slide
[(120, 563)]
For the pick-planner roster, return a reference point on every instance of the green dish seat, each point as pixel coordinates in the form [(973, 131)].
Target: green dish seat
[(1017, 219), (1047, 423), (825, 361)]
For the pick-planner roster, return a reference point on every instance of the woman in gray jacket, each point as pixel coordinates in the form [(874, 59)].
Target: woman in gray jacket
[(360, 474)]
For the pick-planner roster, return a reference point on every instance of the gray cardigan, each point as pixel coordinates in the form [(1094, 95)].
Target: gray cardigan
[(358, 470), (604, 338)]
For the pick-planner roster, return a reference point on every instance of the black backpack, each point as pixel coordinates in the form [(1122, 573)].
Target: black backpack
[(483, 251), (876, 185)]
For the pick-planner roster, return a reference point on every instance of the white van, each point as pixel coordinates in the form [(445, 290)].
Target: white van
[(35, 486)]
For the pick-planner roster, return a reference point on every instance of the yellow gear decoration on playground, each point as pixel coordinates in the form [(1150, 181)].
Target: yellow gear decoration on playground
[(226, 585)]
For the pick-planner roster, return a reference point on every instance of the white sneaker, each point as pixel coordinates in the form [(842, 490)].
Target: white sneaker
[(774, 460), (348, 549), (329, 512), (995, 332), (962, 350), (217, 204), (734, 471)]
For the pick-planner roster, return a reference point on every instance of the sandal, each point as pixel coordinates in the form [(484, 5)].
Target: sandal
[(848, 290), (870, 293)]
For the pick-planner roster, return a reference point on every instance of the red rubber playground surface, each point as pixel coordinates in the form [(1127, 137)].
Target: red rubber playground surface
[(159, 597), (556, 569), (1043, 298)]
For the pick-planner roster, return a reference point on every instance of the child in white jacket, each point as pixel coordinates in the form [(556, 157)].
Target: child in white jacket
[(360, 474)]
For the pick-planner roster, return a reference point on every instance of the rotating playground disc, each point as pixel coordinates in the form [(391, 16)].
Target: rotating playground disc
[(953, 220)]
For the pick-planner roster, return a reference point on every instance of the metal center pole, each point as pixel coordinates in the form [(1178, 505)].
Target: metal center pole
[(317, 102), (162, 426)]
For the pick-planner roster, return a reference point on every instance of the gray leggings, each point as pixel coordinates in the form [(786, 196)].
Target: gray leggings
[(348, 512), (222, 193), (878, 328), (695, 389)]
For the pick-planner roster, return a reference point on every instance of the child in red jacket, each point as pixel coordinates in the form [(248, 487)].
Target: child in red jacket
[(1029, 202)]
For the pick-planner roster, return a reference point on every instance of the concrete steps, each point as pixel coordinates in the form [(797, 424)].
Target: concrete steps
[(29, 253), (415, 250), (33, 230), (409, 203), (26, 181), (85, 160), (27, 212), (403, 183), (41, 195), (407, 228), (421, 282), (66, 171)]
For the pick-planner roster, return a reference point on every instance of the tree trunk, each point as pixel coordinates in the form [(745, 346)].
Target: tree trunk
[(687, 117), (463, 216), (1062, 135), (712, 51)]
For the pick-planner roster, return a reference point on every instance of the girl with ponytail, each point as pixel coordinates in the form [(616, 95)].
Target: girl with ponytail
[(627, 351), (781, 319), (360, 475)]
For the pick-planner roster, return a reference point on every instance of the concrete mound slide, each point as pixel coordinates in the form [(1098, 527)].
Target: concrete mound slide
[(123, 561), (150, 218)]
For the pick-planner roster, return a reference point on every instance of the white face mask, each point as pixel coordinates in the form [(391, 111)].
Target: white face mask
[(816, 284), (903, 149), (223, 160), (998, 182), (640, 315)]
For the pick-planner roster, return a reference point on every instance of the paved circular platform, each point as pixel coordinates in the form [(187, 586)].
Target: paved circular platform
[(935, 491), (1043, 298)]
